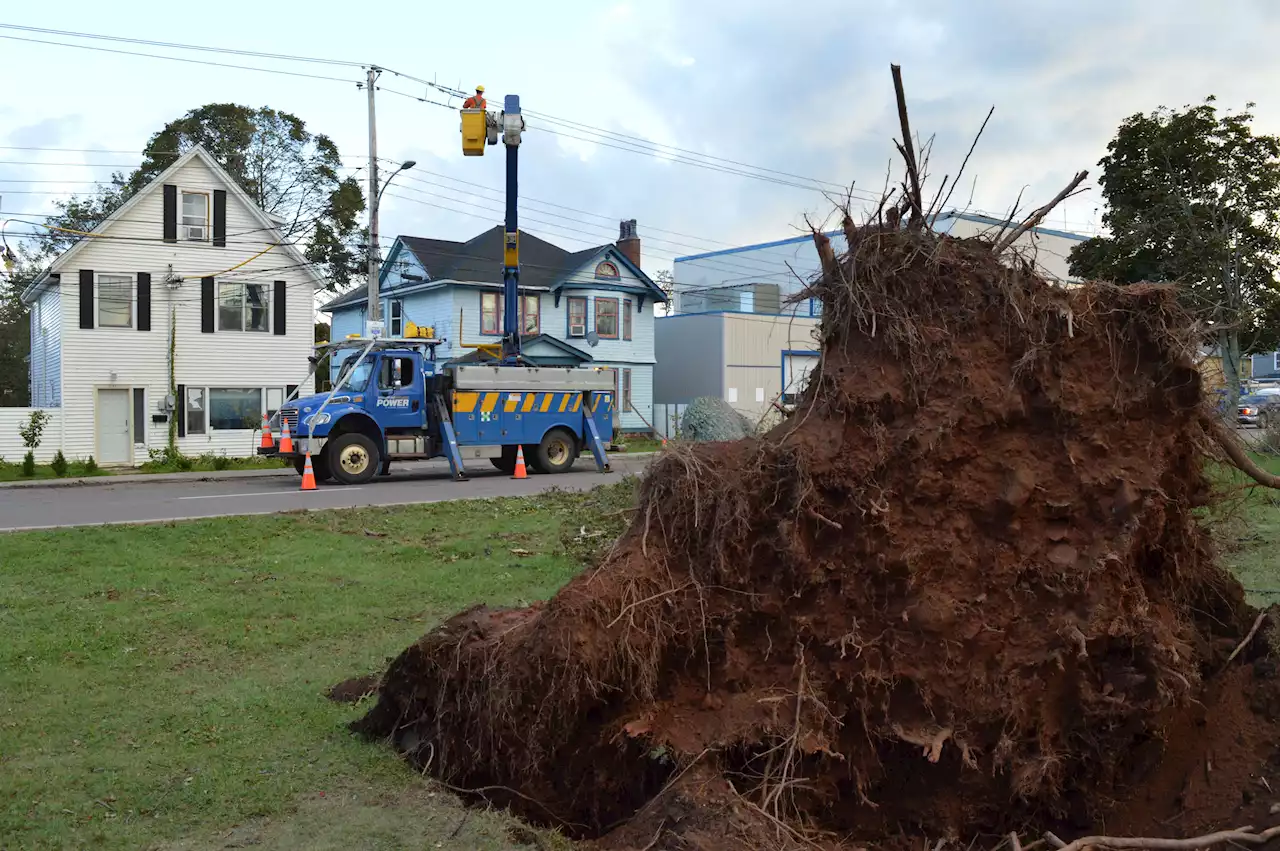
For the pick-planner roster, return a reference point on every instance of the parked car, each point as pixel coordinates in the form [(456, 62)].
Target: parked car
[(1259, 409)]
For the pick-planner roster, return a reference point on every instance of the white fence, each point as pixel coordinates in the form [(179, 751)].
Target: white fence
[(666, 419), (11, 446)]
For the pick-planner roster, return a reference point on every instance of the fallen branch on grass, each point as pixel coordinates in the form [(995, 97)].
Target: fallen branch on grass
[(1240, 834), (1239, 458)]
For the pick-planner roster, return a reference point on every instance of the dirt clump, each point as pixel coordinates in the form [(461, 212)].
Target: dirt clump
[(354, 690), (961, 590)]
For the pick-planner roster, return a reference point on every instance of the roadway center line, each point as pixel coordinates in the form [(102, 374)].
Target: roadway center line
[(260, 493)]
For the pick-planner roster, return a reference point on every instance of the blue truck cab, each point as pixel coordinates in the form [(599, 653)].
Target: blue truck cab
[(393, 401)]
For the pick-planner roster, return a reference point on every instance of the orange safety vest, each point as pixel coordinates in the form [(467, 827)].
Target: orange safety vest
[(474, 102)]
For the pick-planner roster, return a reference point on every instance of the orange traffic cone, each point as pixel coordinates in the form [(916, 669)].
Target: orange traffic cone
[(308, 475), (286, 441), (266, 442), (520, 471)]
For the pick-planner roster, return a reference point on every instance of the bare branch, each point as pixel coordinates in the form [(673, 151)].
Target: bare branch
[(1243, 834), (960, 173), (1036, 217), (907, 150)]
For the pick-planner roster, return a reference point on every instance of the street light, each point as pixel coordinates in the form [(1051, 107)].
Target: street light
[(374, 302), (404, 166)]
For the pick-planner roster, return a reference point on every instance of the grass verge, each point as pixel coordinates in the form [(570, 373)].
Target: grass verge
[(164, 684)]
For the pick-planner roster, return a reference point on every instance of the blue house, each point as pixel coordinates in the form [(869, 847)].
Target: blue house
[(456, 288)]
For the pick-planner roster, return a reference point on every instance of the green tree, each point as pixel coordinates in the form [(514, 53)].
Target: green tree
[(15, 333), (322, 332), (1193, 196), (287, 170)]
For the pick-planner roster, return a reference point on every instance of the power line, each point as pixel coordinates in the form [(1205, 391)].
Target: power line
[(178, 46), (180, 59)]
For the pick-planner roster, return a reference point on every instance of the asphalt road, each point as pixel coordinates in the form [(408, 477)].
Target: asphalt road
[(147, 502)]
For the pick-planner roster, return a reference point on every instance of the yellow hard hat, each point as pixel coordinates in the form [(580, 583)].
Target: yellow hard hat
[(479, 88)]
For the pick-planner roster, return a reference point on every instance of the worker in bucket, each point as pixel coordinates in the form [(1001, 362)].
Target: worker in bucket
[(476, 101)]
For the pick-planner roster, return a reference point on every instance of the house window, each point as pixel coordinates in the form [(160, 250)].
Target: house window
[(195, 410), (530, 314), (397, 318), (195, 216), (243, 307), (625, 401), (1275, 362), (607, 318), (606, 269), (490, 314), (275, 398), (577, 316), (626, 319), (235, 408), (115, 301)]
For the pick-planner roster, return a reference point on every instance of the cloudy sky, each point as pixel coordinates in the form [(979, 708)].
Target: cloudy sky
[(798, 89)]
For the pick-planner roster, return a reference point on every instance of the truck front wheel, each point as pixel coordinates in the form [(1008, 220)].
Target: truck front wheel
[(557, 452), (353, 458), (319, 466)]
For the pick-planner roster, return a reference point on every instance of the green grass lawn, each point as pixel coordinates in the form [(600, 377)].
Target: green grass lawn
[(1248, 525), (75, 469), (163, 686)]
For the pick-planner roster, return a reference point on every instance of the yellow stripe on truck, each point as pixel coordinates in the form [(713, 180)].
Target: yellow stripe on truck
[(564, 402), (490, 399), (546, 402), (513, 399), (465, 403), (577, 403), (529, 399)]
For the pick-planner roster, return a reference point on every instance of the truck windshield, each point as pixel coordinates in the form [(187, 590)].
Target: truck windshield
[(356, 374)]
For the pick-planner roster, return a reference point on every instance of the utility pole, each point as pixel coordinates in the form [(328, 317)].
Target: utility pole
[(374, 310)]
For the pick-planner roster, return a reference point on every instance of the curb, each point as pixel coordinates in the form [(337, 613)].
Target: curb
[(147, 478), (170, 478)]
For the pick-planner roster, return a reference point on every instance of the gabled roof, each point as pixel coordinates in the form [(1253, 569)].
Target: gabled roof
[(479, 260), (270, 224)]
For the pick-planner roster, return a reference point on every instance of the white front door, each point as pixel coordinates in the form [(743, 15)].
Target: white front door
[(115, 445)]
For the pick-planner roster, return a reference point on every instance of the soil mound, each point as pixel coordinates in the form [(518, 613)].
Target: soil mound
[(960, 590)]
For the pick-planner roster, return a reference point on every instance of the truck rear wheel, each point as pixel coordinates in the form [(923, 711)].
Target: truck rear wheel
[(557, 451), (353, 458)]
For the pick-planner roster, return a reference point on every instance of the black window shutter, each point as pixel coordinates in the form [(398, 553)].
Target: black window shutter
[(170, 213), (144, 302), (86, 298), (139, 415), (206, 305), (289, 390), (219, 217), (279, 309), (180, 409)]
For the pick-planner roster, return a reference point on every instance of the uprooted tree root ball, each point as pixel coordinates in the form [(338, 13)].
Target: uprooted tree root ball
[(962, 590)]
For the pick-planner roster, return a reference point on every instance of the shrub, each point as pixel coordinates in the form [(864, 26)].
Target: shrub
[(29, 464), (90, 465), (32, 431), (59, 464), (221, 462)]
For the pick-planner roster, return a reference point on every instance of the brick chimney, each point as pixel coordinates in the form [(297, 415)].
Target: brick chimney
[(628, 241)]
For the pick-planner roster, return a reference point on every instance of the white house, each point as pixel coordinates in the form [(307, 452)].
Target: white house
[(185, 303), (593, 306)]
